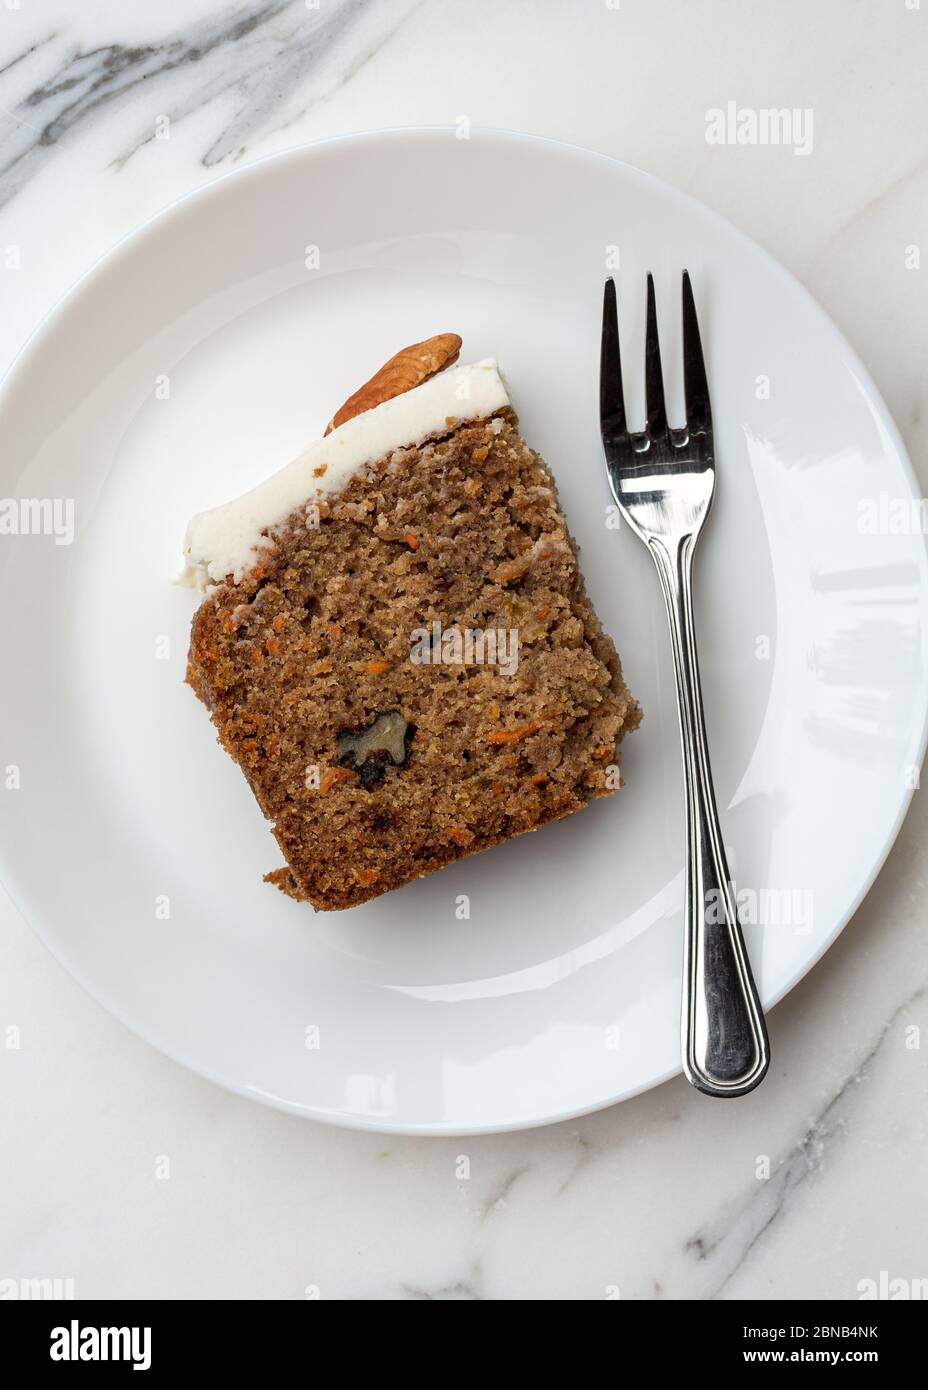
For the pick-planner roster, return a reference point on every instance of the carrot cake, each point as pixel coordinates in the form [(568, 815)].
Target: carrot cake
[(395, 644)]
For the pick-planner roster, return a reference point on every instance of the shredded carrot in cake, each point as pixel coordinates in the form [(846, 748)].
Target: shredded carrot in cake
[(412, 540), (512, 735), (331, 776), (461, 835), (366, 876), (376, 668), (509, 571)]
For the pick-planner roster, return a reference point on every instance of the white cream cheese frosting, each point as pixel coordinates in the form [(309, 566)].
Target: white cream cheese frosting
[(228, 540)]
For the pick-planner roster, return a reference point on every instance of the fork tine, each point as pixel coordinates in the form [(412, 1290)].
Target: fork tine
[(611, 399), (695, 385), (653, 376)]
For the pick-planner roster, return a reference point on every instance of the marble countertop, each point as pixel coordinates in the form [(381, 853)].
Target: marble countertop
[(659, 1197)]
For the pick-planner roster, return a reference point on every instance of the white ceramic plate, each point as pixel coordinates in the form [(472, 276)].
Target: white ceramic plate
[(201, 355)]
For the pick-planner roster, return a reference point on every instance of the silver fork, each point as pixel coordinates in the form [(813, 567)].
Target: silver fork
[(663, 480)]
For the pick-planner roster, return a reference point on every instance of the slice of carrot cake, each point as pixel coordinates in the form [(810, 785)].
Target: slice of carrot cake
[(395, 643)]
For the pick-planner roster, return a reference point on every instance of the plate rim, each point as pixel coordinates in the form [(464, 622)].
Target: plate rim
[(296, 153)]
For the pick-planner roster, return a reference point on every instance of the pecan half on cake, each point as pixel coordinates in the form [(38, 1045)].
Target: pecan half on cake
[(395, 644)]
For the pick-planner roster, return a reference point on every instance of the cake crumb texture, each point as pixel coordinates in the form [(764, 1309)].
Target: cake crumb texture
[(375, 769)]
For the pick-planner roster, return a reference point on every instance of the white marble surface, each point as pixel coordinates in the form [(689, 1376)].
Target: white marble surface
[(658, 1197)]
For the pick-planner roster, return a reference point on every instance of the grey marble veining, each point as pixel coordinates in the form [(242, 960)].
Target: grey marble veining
[(729, 1242), (287, 57)]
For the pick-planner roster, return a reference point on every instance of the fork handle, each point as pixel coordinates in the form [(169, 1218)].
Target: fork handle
[(725, 1047)]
